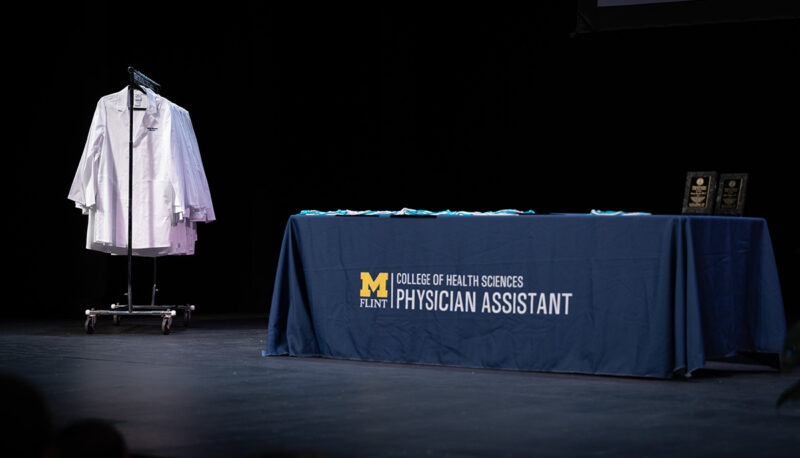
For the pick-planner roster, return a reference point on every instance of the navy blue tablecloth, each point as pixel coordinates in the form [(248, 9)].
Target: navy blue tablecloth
[(624, 295)]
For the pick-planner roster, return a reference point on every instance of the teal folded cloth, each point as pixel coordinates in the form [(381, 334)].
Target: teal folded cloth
[(614, 213), (414, 212)]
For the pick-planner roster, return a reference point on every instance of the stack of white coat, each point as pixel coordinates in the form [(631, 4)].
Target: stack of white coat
[(170, 190)]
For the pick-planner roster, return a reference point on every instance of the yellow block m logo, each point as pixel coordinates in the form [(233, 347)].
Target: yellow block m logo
[(369, 286)]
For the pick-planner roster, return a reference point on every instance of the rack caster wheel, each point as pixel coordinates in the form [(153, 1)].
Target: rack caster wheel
[(187, 315), (116, 320), (166, 323), (89, 324)]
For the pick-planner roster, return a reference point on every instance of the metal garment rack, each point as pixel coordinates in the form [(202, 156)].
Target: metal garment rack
[(137, 81)]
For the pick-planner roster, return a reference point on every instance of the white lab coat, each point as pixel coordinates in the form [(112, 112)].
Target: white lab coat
[(170, 190)]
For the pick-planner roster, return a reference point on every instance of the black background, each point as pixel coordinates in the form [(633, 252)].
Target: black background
[(328, 108)]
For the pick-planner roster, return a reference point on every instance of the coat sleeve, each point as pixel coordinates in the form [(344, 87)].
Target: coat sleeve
[(205, 208), (197, 198), (177, 169), (84, 185)]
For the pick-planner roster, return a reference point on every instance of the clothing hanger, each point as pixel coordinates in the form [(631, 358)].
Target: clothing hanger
[(136, 87)]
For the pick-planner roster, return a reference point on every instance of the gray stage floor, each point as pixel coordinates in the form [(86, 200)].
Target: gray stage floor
[(207, 391)]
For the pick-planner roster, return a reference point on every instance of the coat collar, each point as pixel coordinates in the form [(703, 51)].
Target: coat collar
[(152, 102)]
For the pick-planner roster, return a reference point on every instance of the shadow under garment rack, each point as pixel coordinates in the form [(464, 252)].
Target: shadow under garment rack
[(137, 81)]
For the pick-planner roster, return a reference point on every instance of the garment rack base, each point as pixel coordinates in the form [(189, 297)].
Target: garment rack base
[(166, 312)]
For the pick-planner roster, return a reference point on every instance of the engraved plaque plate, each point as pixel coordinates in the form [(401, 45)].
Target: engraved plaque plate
[(700, 194), (731, 194)]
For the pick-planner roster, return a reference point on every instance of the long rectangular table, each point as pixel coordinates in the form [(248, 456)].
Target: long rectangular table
[(625, 295)]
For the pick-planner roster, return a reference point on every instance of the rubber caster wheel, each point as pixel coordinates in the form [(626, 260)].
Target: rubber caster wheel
[(187, 315), (116, 319), (89, 324), (166, 323)]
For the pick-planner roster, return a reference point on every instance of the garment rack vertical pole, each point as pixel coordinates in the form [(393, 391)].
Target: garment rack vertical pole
[(130, 189), (138, 81)]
